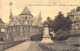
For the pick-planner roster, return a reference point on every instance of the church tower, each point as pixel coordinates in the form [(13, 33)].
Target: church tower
[(26, 17), (21, 27), (40, 20), (11, 15)]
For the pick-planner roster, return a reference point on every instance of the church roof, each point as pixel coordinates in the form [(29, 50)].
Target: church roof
[(25, 11)]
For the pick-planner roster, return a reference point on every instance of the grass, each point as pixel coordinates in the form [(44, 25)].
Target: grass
[(57, 47)]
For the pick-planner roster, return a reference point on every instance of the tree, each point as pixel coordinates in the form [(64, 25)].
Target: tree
[(61, 34), (49, 22), (62, 26), (68, 23), (59, 22)]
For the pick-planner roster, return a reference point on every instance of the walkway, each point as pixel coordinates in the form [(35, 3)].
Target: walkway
[(26, 46)]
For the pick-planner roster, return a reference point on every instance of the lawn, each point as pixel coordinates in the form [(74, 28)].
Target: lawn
[(57, 47)]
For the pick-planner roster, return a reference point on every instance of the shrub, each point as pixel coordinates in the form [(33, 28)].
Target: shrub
[(37, 37), (61, 35)]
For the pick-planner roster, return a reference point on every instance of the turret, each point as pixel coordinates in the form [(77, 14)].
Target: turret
[(11, 14), (40, 20)]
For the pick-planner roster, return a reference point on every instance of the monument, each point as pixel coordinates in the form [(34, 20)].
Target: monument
[(46, 36)]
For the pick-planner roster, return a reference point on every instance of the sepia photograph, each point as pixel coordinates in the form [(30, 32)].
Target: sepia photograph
[(39, 25)]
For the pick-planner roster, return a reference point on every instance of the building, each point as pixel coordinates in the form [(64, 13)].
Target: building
[(2, 34), (74, 15), (24, 25)]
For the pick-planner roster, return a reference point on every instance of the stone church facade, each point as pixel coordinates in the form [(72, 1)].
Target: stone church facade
[(23, 26)]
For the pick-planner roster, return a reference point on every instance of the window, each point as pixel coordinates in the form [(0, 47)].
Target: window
[(26, 17)]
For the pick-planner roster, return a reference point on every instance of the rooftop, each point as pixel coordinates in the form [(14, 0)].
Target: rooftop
[(25, 11)]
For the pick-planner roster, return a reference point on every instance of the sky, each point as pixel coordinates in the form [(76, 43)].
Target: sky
[(51, 11)]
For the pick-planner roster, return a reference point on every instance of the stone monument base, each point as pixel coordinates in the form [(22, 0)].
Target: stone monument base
[(47, 40)]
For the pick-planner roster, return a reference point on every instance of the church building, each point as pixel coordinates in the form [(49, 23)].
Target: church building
[(24, 25)]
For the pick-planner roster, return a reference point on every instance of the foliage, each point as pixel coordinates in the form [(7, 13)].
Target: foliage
[(61, 22), (37, 37), (61, 35), (68, 23), (60, 25)]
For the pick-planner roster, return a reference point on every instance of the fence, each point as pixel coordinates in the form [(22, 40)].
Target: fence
[(7, 45)]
